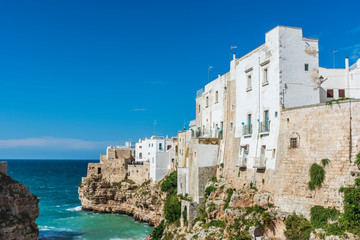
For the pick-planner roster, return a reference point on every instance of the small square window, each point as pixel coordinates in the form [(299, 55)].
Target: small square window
[(293, 143), (330, 93), (306, 67), (341, 93)]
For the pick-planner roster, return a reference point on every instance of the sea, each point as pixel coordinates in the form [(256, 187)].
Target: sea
[(55, 183)]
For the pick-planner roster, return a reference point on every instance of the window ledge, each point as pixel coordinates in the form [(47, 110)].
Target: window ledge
[(265, 83), (247, 135), (248, 89)]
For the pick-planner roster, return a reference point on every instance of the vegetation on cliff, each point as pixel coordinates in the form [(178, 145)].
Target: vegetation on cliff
[(330, 221)]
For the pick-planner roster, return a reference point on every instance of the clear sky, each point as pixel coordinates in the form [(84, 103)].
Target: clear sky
[(76, 76)]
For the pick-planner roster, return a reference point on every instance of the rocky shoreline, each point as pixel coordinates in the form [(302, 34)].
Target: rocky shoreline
[(18, 210), (142, 202)]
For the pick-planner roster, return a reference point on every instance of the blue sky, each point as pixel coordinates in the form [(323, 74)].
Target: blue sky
[(77, 76)]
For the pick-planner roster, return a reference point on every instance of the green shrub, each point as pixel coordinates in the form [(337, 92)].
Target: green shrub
[(357, 161), (170, 183), (213, 179), (297, 227), (325, 161), (209, 190), (350, 219), (185, 220), (128, 181), (158, 231), (229, 192), (172, 208), (334, 229), (117, 184), (320, 216), (212, 207), (317, 176), (217, 223)]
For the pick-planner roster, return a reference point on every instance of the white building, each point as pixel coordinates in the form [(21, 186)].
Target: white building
[(159, 152), (281, 73), (340, 82)]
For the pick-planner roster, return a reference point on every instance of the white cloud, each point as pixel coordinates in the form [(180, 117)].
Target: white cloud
[(139, 109), (54, 143), (354, 51), (357, 29)]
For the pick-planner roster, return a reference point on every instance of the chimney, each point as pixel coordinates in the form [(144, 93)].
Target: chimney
[(347, 64), (234, 56), (219, 75)]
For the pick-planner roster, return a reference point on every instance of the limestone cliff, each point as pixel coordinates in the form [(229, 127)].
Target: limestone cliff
[(18, 210), (143, 202)]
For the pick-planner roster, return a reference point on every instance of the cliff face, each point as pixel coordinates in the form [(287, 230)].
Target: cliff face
[(143, 202), (18, 210)]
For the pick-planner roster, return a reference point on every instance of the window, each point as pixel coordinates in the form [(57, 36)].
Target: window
[(207, 101), (231, 126), (160, 146), (99, 170), (248, 83), (199, 108), (266, 115), (249, 118), (225, 90), (330, 93), (293, 142), (341, 93), (265, 76), (273, 153), (216, 96), (306, 67), (149, 145), (140, 155)]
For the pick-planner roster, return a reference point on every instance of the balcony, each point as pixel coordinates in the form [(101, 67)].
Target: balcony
[(260, 163), (247, 130), (243, 163), (264, 127), (207, 134)]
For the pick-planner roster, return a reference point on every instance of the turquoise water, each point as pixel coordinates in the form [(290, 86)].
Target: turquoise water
[(55, 183)]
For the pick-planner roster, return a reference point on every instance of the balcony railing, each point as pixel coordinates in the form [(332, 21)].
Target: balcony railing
[(264, 127), (207, 134), (260, 163), (243, 162), (247, 129)]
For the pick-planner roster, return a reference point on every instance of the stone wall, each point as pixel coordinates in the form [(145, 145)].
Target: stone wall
[(4, 168), (322, 131), (139, 173)]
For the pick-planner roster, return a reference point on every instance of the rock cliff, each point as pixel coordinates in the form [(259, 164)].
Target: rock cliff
[(143, 202), (18, 210)]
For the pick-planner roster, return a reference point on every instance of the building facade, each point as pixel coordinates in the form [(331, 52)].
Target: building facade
[(159, 152)]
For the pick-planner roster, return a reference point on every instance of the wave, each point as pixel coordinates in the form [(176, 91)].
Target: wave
[(74, 209), (48, 228)]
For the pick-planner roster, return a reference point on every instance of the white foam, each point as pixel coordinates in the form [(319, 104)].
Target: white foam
[(47, 228), (74, 209)]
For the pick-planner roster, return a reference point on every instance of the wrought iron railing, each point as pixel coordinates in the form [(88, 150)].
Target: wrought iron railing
[(207, 134), (264, 126), (260, 162), (247, 129), (243, 162)]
